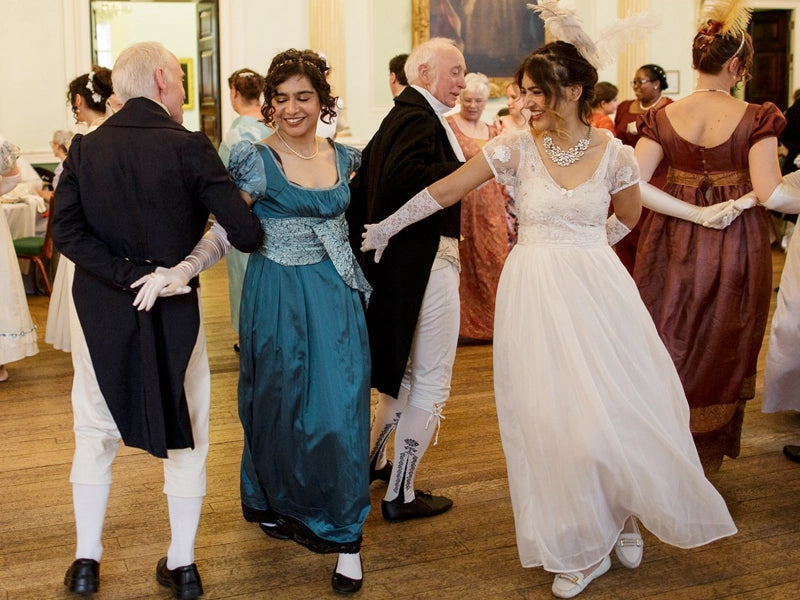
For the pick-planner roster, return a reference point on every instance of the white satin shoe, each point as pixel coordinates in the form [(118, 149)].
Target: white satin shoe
[(630, 546), (569, 585)]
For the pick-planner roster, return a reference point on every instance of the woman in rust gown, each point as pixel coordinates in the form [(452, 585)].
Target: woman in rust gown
[(708, 290), (648, 84), (484, 228)]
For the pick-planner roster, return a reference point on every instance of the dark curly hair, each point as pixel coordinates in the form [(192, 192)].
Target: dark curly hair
[(555, 66), (656, 73), (247, 82), (305, 63), (88, 89)]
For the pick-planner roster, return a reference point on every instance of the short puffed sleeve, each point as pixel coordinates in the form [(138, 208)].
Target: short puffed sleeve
[(769, 122), (648, 125), (623, 170), (352, 160), (247, 169), (503, 153)]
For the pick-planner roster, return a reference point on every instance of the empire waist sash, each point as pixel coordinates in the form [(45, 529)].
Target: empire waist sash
[(707, 180), (299, 241)]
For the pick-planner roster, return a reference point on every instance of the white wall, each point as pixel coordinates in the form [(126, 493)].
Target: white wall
[(45, 44)]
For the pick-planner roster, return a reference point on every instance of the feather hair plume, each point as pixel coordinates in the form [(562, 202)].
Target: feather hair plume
[(732, 15), (564, 24)]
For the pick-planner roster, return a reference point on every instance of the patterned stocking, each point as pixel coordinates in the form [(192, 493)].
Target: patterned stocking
[(384, 422), (414, 432)]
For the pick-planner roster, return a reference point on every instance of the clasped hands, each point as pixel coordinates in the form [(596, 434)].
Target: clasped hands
[(719, 216), (161, 282)]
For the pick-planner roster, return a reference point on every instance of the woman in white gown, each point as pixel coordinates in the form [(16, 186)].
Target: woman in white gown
[(88, 95), (593, 419), (17, 331)]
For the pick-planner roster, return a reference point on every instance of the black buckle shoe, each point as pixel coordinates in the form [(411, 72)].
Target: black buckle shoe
[(342, 584), (83, 577), (423, 505), (382, 474), (792, 453), (183, 581)]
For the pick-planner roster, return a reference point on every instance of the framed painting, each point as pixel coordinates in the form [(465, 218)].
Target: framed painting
[(187, 66), (494, 36)]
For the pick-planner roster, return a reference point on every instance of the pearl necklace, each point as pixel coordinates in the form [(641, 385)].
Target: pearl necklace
[(712, 90), (649, 106), (564, 158), (295, 152)]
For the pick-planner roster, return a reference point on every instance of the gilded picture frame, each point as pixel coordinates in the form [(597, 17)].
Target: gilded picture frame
[(187, 66), (494, 36)]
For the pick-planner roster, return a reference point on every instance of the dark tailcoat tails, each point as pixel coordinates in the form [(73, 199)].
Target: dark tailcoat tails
[(409, 152), (136, 194)]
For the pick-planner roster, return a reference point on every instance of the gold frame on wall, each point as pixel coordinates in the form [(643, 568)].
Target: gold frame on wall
[(421, 31), (187, 66)]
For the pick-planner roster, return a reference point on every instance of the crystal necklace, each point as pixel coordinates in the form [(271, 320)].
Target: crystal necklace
[(564, 158), (295, 152)]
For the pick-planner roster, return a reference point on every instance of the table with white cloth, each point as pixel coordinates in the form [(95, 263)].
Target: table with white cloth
[(22, 207)]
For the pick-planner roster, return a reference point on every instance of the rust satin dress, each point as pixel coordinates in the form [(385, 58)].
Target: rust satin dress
[(483, 248), (626, 126), (709, 290)]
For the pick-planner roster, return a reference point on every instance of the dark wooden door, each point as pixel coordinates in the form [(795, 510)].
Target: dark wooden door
[(208, 71), (770, 76)]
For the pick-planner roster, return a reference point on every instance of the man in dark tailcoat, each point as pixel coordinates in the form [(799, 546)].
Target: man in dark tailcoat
[(136, 194), (413, 314)]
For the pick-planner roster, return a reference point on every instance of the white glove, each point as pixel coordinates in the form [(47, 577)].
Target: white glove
[(786, 197), (707, 216), (376, 237), (169, 282), (9, 182), (615, 229)]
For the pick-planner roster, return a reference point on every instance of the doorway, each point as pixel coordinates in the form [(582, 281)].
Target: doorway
[(189, 28), (771, 33)]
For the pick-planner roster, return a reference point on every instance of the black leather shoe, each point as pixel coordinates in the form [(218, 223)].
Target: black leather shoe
[(274, 530), (344, 585), (423, 505), (183, 581), (382, 474), (83, 577), (236, 347), (792, 453)]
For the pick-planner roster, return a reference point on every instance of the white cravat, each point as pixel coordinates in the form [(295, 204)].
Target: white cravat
[(440, 109)]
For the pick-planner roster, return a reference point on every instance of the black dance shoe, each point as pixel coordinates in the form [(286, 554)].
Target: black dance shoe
[(183, 581), (423, 505), (792, 453), (83, 577), (382, 474), (275, 530), (342, 584)]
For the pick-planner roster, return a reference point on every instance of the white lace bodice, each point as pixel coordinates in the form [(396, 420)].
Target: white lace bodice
[(548, 213)]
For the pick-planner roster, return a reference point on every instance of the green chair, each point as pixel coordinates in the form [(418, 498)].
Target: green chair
[(38, 250)]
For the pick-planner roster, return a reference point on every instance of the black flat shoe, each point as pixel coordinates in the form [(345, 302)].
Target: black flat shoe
[(236, 347), (183, 581), (274, 530), (382, 474), (83, 577), (423, 505), (792, 453), (342, 584)]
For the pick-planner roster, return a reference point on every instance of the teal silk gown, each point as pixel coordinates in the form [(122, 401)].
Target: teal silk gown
[(305, 362)]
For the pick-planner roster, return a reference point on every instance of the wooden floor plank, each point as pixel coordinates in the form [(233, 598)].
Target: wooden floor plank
[(470, 552)]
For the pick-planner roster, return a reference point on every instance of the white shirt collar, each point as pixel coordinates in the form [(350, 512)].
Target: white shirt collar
[(439, 108)]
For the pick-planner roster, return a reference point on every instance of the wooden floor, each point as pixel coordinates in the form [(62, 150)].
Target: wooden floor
[(467, 553)]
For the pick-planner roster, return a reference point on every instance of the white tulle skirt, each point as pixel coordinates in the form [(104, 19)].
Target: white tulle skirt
[(782, 373), (57, 331), (593, 418), (17, 331)]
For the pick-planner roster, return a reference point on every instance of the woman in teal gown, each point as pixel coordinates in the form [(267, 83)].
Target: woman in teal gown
[(304, 375)]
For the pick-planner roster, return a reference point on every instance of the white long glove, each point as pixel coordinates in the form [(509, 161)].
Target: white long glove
[(175, 280), (784, 198), (707, 216), (376, 237), (615, 230)]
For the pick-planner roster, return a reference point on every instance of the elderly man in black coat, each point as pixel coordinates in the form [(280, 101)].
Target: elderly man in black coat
[(413, 314), (136, 194)]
